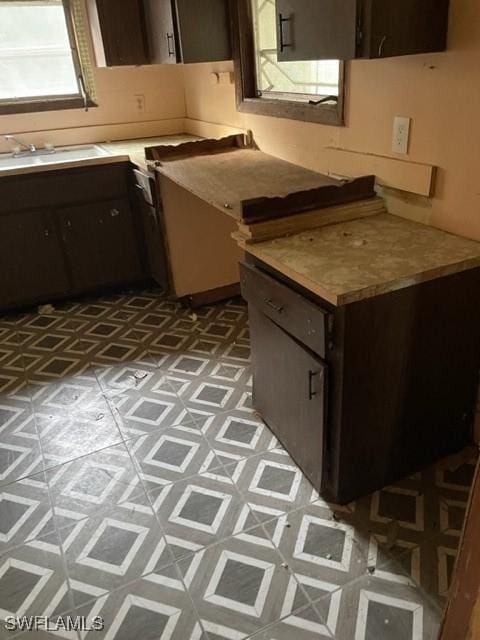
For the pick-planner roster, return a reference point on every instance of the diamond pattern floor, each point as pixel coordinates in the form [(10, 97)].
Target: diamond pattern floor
[(137, 484)]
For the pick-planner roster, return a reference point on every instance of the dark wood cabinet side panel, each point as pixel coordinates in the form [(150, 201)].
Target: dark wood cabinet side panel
[(409, 383)]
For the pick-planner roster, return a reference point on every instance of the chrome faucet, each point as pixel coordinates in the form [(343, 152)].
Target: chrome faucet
[(28, 147)]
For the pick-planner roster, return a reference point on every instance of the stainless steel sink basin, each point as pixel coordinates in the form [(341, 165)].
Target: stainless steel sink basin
[(60, 155)]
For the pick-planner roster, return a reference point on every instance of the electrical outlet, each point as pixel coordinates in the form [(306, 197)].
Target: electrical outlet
[(401, 134), (140, 102)]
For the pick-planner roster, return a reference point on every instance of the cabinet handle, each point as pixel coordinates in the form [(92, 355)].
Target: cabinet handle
[(282, 45), (46, 233), (171, 52), (114, 213), (311, 392), (272, 305), (139, 186)]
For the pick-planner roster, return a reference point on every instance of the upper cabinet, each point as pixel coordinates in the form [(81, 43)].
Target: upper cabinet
[(160, 31), (349, 29), (118, 32)]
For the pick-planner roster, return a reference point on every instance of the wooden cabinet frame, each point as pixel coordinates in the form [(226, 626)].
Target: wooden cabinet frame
[(245, 78)]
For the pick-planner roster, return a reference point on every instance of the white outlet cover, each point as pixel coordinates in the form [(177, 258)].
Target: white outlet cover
[(401, 134)]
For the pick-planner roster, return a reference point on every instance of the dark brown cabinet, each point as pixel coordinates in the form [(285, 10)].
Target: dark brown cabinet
[(100, 244), (67, 232), (31, 258), (118, 32), (289, 392), (188, 31), (367, 393), (348, 29), (159, 31)]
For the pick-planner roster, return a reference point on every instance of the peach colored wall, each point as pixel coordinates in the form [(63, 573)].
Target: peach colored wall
[(116, 116), (440, 92)]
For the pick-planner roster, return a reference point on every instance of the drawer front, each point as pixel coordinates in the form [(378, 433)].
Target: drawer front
[(301, 318), (145, 185)]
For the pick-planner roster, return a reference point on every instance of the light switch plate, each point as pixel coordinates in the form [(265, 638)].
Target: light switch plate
[(401, 134)]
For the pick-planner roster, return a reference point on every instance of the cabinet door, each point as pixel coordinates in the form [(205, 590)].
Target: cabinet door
[(118, 32), (161, 31), (393, 28), (289, 392), (101, 244), (316, 29), (203, 30), (32, 266)]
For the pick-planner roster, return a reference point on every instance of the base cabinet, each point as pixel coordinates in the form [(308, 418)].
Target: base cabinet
[(31, 258), (365, 394), (83, 238), (99, 240)]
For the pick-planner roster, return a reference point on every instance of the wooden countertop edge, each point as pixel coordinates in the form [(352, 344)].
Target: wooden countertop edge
[(357, 295)]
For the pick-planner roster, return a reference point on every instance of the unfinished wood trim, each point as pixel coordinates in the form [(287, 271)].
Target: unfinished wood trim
[(245, 83), (163, 153), (300, 201), (270, 229), (462, 618), (404, 175)]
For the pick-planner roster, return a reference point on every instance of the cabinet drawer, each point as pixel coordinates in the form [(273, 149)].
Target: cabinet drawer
[(301, 318)]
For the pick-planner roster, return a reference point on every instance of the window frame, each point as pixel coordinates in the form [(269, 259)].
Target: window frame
[(245, 78), (33, 104)]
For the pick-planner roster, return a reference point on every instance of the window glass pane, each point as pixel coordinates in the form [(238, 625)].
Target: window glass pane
[(317, 78), (35, 52)]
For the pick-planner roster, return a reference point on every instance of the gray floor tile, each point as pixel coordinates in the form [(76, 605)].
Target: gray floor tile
[(114, 547), (240, 586), (173, 454), (146, 610), (273, 480), (371, 608), (36, 570), (24, 512), (202, 509), (94, 483), (236, 435), (303, 624)]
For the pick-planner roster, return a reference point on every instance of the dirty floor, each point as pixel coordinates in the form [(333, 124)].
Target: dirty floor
[(137, 485)]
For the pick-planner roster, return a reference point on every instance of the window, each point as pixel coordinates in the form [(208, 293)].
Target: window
[(40, 67), (310, 90)]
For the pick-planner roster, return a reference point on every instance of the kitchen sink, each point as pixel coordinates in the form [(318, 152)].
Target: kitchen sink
[(44, 157)]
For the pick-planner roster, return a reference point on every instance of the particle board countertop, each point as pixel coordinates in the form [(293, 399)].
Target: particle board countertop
[(360, 259), (234, 176)]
